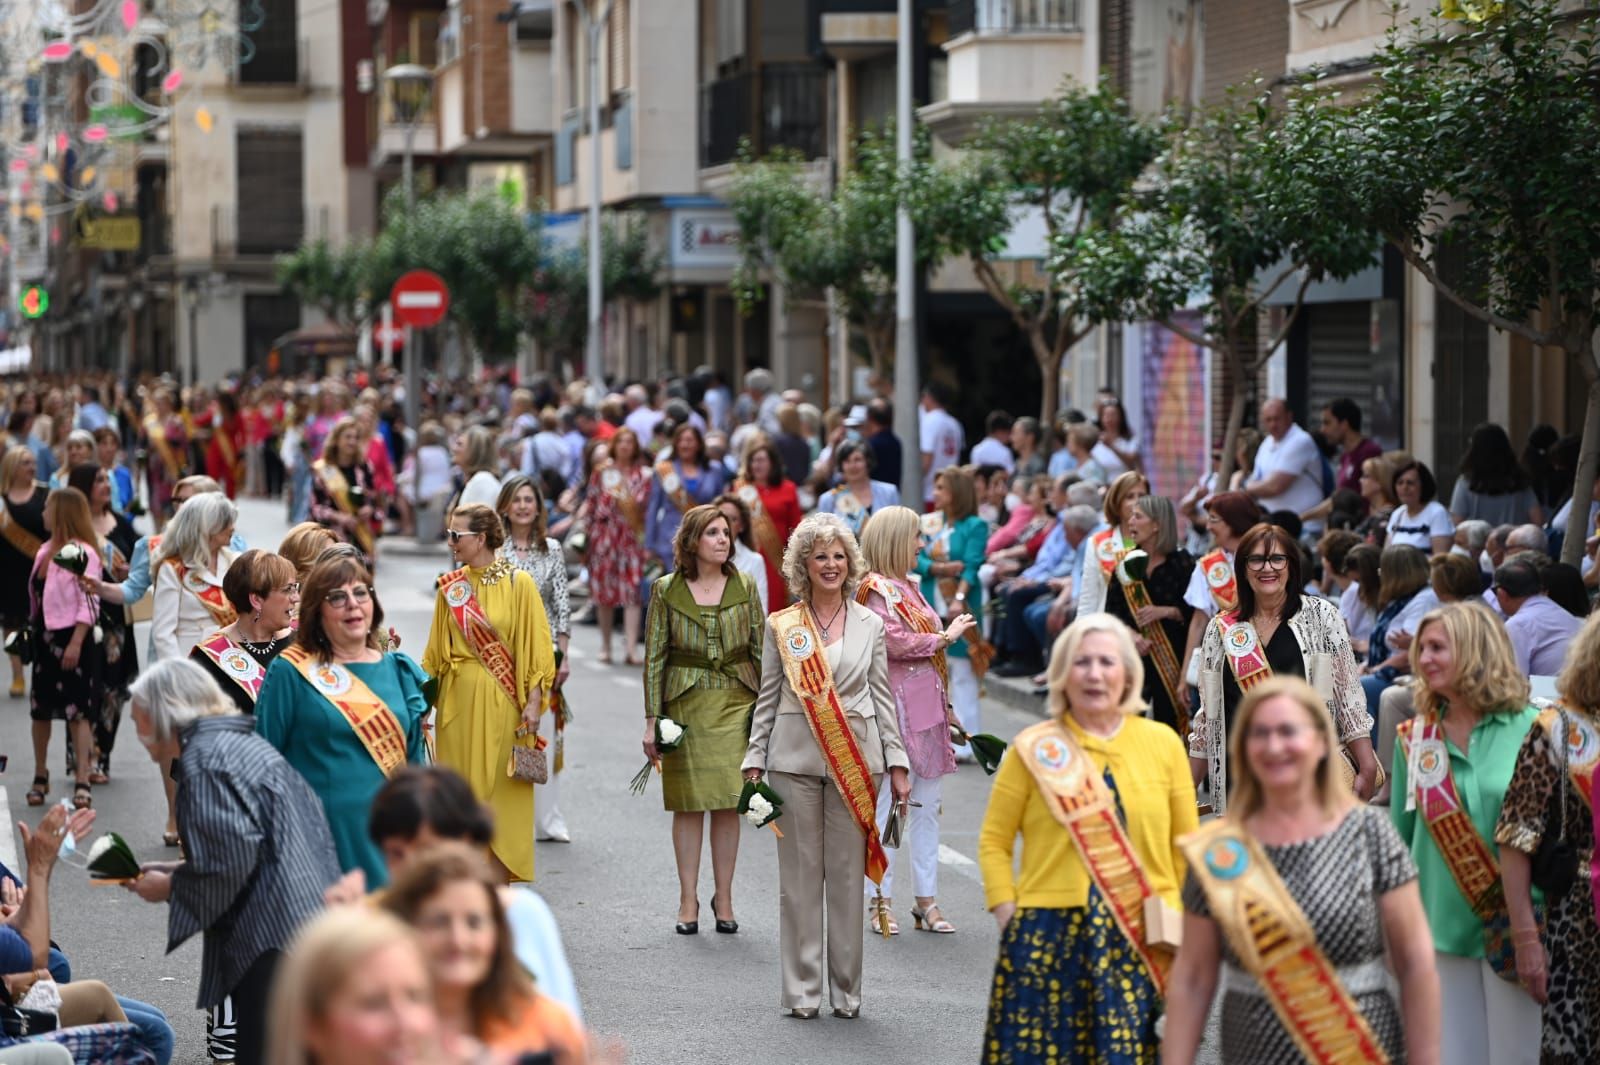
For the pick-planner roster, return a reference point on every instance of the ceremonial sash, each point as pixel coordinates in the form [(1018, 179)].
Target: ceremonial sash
[(237, 664), (767, 538), (615, 483), (805, 663), (230, 454), (338, 487), (1162, 655), (1242, 648), (456, 587), (1276, 945), (372, 721), (916, 620), (15, 535), (672, 485), (1107, 545), (1079, 799), (1583, 747), (209, 594), (1472, 864), (157, 435), (1220, 580)]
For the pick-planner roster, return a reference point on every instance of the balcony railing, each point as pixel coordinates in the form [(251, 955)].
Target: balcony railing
[(1013, 16), (265, 228), (784, 105)]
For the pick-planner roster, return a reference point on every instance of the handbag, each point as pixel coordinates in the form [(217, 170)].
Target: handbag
[(893, 828), (528, 762), (1554, 866)]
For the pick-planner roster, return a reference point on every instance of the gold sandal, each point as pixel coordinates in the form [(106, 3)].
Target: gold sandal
[(880, 909)]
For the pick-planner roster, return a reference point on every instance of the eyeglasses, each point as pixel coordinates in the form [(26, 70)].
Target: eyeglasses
[(340, 599), (292, 588), (1266, 561), (456, 534)]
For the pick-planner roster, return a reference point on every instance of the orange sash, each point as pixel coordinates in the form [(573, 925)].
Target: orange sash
[(237, 664), (672, 484), (15, 535), (156, 433), (1107, 545), (1276, 945), (1583, 747), (766, 532), (1079, 799), (456, 587), (916, 620), (333, 480), (1162, 655), (373, 722), (1472, 864), (805, 663), (617, 486), (230, 454), (209, 594), (1220, 580)]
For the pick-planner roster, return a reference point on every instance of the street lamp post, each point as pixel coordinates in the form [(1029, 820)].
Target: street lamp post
[(191, 300), (906, 389), (410, 83), (594, 28)]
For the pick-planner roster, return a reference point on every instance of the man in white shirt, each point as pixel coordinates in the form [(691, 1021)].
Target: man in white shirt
[(642, 415), (995, 449), (1288, 469), (941, 437), (1539, 628)]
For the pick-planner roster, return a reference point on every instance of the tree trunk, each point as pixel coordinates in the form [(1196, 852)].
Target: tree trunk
[(1050, 372), (1578, 528), (1230, 435)]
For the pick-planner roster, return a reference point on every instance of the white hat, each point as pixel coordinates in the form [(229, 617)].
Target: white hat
[(857, 415)]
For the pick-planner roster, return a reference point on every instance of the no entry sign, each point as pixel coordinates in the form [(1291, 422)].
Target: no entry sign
[(420, 299)]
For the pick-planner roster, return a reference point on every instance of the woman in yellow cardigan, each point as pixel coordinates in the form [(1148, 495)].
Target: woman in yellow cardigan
[(1083, 960)]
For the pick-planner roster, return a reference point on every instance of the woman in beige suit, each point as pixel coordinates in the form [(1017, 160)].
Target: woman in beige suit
[(825, 688)]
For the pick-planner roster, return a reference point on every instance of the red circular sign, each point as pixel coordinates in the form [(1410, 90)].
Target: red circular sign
[(420, 299)]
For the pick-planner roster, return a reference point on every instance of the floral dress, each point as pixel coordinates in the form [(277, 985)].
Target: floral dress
[(617, 500)]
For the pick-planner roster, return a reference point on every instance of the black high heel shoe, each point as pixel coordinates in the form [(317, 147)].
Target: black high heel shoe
[(728, 927), (689, 928)]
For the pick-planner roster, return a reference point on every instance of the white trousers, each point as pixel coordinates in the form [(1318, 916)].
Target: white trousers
[(921, 836), (964, 698), (547, 820), (1488, 1021)]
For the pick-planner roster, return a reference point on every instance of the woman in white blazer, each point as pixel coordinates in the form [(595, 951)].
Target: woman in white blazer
[(825, 668)]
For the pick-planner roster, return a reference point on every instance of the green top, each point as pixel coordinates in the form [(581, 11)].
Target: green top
[(1481, 775), (688, 645)]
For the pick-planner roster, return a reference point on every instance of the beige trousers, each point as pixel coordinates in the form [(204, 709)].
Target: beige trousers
[(1395, 706), (821, 861)]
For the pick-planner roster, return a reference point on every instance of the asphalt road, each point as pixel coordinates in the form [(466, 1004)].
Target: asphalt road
[(670, 998)]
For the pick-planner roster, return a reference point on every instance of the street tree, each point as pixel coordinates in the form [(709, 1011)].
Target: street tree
[(334, 278), (556, 302), (1222, 221), (1484, 138)]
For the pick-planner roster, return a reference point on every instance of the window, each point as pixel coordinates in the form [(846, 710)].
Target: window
[(272, 55), (618, 29), (267, 316), (271, 214)]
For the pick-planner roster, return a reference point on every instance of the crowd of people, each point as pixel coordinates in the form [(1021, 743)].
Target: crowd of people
[(1309, 729)]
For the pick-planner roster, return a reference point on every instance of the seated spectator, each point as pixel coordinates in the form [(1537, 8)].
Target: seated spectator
[(1116, 446), (1403, 598), (1492, 486), (1564, 585), (1022, 636), (1454, 579), (1494, 548), (1332, 550), (1062, 459), (1539, 629), (1013, 546), (995, 448), (1558, 524), (1027, 440), (1471, 537), (1346, 509), (1080, 444), (1358, 603), (1420, 521), (993, 487), (1527, 538), (1377, 492)]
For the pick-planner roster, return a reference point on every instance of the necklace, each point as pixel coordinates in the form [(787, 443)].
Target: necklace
[(827, 626)]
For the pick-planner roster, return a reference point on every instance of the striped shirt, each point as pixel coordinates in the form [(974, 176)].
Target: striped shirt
[(258, 852)]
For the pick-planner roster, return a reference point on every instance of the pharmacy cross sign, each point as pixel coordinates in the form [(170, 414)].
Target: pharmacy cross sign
[(420, 299)]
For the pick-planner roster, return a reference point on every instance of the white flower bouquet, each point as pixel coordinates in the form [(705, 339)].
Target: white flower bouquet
[(111, 860), (669, 737), (760, 805), (1133, 567), (72, 558)]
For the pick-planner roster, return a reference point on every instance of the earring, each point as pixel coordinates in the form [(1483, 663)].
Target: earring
[(257, 618)]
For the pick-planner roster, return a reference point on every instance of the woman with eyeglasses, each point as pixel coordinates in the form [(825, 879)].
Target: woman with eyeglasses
[(343, 712), (490, 649), (264, 590), (1276, 630)]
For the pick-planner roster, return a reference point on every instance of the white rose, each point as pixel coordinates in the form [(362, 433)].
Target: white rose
[(759, 810), (101, 845), (99, 634), (70, 553), (669, 730)]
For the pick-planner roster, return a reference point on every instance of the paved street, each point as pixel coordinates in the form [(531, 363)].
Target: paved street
[(670, 998)]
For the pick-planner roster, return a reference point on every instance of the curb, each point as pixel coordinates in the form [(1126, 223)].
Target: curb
[(411, 548), (1016, 693)]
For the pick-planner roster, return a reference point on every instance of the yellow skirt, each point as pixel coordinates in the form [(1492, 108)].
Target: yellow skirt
[(475, 732)]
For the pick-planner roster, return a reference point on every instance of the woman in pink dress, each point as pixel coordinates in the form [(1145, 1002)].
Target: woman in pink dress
[(916, 644), (619, 492)]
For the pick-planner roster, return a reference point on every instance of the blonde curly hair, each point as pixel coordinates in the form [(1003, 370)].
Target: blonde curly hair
[(1487, 676), (1580, 677), (815, 531)]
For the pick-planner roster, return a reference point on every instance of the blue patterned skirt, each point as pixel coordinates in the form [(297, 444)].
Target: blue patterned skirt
[(1068, 988)]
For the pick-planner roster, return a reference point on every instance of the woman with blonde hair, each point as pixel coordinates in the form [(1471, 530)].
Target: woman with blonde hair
[(1452, 766), (1561, 968), (477, 457), (1098, 778), (1107, 544), (954, 539), (619, 489), (303, 543), (918, 675), (78, 450), (825, 670), (1325, 880), (342, 489)]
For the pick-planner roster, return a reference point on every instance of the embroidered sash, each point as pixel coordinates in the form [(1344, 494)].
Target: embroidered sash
[(1107, 545), (372, 721), (1583, 748), (805, 663), (916, 620), (1165, 659), (766, 533), (237, 664), (615, 483), (672, 484), (156, 433), (15, 535), (456, 587), (338, 487), (1079, 799), (209, 594), (1276, 945), (230, 453), (1220, 580), (1471, 863), (1242, 648)]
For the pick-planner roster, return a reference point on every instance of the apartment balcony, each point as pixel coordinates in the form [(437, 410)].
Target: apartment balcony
[(1327, 33), (783, 105), (495, 105), (265, 230), (1013, 16)]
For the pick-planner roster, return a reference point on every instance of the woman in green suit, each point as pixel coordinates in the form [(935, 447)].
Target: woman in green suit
[(702, 671), (954, 539)]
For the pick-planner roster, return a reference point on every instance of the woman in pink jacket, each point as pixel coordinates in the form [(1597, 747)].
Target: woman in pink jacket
[(68, 657), (916, 646)]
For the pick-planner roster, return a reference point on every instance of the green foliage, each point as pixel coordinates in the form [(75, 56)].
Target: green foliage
[(556, 303), (334, 279)]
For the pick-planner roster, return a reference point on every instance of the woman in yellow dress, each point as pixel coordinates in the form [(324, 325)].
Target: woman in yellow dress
[(493, 683)]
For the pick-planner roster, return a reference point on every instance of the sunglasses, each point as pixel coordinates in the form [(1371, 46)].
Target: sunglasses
[(456, 534)]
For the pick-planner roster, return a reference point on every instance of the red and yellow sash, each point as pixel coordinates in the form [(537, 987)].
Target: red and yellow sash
[(617, 485), (766, 533), (237, 664), (372, 721), (1165, 659), (1472, 864), (15, 535), (916, 620), (672, 485), (1583, 748), (209, 594), (1108, 548), (156, 433), (333, 480), (230, 454), (1242, 648), (1078, 797), (1276, 945), (1218, 572), (805, 663), (456, 587)]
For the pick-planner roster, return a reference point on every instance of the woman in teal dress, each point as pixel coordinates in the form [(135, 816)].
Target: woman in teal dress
[(333, 682), (954, 540)]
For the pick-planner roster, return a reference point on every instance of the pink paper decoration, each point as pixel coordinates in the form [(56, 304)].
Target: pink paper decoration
[(110, 201), (170, 83), (130, 14), (95, 134), (56, 51)]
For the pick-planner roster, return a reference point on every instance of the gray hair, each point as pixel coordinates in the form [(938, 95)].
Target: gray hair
[(812, 532), (175, 693), (759, 380), (1080, 517), (1083, 493), (1160, 510), (1528, 538), (83, 438), (186, 537), (1476, 532)]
